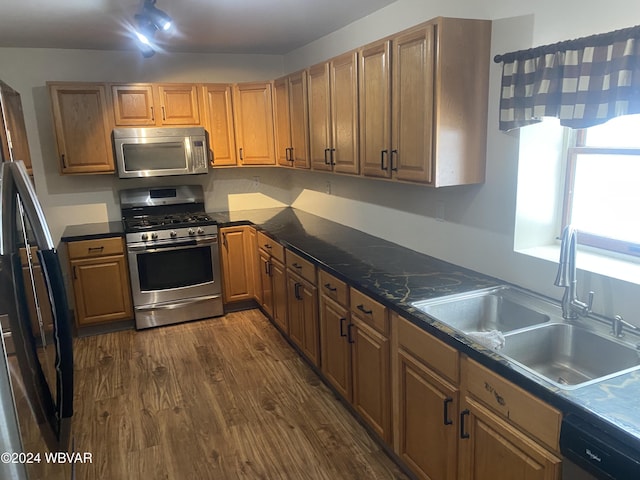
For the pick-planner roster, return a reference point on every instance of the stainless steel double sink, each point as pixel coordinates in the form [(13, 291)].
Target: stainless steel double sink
[(536, 337)]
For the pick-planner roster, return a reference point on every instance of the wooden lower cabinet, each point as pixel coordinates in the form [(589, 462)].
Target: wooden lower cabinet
[(236, 258), (428, 420), (303, 316), (335, 349), (266, 284), (371, 394), (100, 281), (492, 449), (273, 283), (279, 289)]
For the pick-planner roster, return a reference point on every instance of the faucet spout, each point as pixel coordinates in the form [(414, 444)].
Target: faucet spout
[(566, 277)]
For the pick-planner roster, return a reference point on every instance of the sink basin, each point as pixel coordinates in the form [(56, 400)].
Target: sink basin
[(503, 308), (569, 356)]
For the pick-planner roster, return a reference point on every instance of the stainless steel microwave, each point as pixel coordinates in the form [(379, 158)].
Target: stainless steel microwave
[(157, 152)]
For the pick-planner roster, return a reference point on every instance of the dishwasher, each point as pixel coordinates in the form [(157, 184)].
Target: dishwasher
[(590, 452)]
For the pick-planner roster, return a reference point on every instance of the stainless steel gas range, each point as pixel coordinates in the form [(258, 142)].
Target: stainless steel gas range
[(172, 248)]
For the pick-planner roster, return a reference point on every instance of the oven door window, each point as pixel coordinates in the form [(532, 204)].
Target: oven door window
[(175, 268), (154, 156)]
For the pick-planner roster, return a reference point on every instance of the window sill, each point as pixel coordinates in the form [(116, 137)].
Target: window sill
[(609, 266)]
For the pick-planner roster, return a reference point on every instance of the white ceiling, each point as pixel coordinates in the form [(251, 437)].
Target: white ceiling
[(214, 26)]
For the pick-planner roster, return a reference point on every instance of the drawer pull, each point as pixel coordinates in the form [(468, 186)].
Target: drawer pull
[(330, 288), (364, 310), (464, 413), (447, 420), (295, 265), (96, 249), (342, 320), (266, 245)]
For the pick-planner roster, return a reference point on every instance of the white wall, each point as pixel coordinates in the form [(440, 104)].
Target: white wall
[(478, 225)]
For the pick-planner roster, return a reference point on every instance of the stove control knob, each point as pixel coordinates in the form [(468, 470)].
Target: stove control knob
[(191, 231), (173, 234), (200, 231), (154, 236), (144, 237)]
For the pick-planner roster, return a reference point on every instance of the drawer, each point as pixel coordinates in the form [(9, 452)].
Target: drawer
[(516, 405), (96, 248), (372, 312), (334, 288), (270, 246), (302, 267), (437, 355)]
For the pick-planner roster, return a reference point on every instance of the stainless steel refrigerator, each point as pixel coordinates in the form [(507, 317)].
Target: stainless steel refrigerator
[(36, 358)]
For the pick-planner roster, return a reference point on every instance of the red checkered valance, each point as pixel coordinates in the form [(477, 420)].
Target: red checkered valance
[(583, 82)]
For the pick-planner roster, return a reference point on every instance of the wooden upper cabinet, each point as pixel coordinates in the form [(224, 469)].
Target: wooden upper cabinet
[(333, 114), (299, 115), (282, 122), (141, 104), (253, 121), (82, 122), (413, 75), (13, 133), (218, 117), (374, 92), (319, 117)]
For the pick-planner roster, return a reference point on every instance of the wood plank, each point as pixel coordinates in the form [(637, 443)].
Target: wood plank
[(223, 398)]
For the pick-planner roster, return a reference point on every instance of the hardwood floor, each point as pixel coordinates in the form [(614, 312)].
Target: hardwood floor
[(224, 398)]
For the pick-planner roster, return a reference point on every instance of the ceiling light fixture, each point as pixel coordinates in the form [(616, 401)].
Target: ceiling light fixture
[(150, 19)]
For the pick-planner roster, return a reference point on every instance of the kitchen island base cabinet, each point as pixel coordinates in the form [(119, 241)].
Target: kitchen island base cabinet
[(100, 281)]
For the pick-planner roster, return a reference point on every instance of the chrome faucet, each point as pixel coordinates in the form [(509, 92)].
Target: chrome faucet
[(572, 307)]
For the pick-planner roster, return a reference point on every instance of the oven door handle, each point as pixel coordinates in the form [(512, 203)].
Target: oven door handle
[(188, 243), (177, 304)]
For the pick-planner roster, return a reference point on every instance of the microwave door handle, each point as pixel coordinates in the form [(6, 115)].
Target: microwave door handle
[(31, 206)]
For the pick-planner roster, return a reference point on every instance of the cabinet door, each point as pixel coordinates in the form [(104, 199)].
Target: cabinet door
[(179, 104), (494, 450), (335, 350), (282, 121), (344, 114), (255, 264), (374, 77), (267, 289), (428, 420), (236, 264), (82, 124), (303, 316), (299, 119), (218, 111), (371, 387), (253, 117), (319, 117), (413, 105), (11, 106), (101, 288), (133, 105), (279, 285)]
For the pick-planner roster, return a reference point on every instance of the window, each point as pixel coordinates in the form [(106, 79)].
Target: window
[(602, 191)]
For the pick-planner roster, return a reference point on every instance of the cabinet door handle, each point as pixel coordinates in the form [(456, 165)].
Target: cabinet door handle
[(64, 160), (153, 115), (331, 156), (75, 272), (349, 334), (394, 154), (326, 157), (267, 267), (224, 239), (330, 288), (164, 115), (464, 413), (241, 153), (364, 310), (383, 154), (447, 420), (296, 290), (342, 320)]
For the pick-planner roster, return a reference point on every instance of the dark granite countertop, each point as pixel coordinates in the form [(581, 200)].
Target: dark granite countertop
[(397, 276), (88, 231)]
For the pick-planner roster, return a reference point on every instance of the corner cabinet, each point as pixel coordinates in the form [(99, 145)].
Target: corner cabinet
[(100, 281), (291, 120), (82, 122), (253, 121)]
